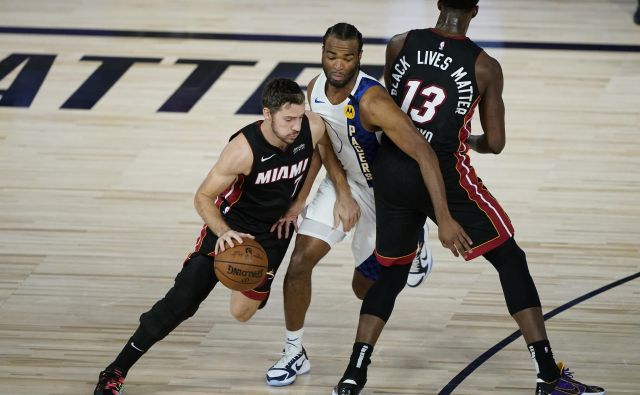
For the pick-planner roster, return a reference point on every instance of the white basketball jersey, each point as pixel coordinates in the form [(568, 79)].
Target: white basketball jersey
[(354, 146)]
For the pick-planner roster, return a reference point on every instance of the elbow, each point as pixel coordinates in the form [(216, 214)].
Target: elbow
[(496, 149), (196, 202), (199, 201)]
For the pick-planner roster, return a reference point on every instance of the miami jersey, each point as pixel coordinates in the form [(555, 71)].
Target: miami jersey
[(354, 146)]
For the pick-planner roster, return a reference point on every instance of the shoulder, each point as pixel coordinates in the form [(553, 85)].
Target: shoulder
[(398, 40), (488, 71), (488, 64), (312, 83), (377, 108), (316, 124), (237, 155), (310, 86), (374, 95), (394, 46)]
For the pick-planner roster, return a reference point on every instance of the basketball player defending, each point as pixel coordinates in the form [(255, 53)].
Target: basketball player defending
[(258, 175), (438, 76), (354, 107)]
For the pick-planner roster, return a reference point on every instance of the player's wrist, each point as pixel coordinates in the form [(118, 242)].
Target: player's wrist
[(220, 230)]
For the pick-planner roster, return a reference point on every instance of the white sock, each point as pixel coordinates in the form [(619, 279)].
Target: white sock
[(293, 341)]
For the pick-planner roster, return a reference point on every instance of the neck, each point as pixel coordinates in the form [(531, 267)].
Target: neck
[(270, 136), (453, 24), (338, 95)]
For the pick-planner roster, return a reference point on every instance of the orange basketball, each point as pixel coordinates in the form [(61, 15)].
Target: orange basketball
[(243, 266)]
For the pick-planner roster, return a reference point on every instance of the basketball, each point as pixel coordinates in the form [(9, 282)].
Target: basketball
[(242, 267)]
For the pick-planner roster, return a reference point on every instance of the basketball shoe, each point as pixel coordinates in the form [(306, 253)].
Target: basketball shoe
[(566, 385), (292, 364), (347, 387), (423, 262), (110, 382)]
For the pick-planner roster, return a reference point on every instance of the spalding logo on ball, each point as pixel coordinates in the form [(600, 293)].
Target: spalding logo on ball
[(243, 266)]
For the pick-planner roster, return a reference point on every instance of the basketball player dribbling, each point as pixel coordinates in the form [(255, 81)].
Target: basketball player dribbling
[(259, 173), (438, 76)]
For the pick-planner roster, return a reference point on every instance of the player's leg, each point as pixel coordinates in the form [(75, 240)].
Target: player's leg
[(636, 16), (315, 237), (396, 239), (484, 220), (363, 243), (524, 306), (192, 285), (297, 296), (364, 276), (243, 305)]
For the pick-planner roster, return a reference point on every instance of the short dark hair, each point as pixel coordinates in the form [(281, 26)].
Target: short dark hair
[(344, 31), (279, 92), (466, 5)]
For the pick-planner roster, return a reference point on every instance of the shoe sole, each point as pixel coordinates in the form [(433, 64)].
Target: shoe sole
[(333, 391), (306, 367)]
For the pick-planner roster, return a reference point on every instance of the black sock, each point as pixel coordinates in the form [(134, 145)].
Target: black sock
[(543, 358), (131, 352), (358, 363)]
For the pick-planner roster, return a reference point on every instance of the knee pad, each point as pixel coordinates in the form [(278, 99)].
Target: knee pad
[(381, 297), (517, 285)]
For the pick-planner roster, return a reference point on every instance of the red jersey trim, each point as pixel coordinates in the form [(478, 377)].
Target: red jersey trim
[(478, 193), (394, 261), (232, 194), (256, 295)]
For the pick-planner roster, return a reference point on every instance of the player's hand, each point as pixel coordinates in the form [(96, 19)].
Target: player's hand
[(347, 211), (287, 220), (453, 237), (230, 238)]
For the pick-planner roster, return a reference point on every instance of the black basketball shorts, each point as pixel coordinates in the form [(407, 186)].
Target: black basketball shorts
[(403, 203)]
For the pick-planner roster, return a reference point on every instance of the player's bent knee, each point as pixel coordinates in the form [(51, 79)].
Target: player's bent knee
[(241, 307), (300, 265), (519, 289), (306, 254), (380, 299), (360, 285), (242, 313)]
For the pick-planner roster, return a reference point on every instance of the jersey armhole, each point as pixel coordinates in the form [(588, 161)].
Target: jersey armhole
[(253, 154)]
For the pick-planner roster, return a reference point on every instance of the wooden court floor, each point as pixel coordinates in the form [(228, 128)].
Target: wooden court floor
[(104, 138)]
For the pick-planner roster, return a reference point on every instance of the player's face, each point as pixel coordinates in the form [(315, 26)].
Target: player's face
[(287, 121), (340, 60)]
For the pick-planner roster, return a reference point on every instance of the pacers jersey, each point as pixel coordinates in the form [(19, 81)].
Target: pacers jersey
[(253, 203), (354, 146), (433, 80)]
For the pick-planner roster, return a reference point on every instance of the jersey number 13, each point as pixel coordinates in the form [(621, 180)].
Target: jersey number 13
[(434, 96)]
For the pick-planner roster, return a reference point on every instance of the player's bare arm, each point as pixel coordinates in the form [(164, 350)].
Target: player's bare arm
[(379, 111), (491, 106), (394, 46), (236, 158), (345, 210)]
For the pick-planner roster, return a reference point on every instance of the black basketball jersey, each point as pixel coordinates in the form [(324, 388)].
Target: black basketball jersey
[(433, 80), (253, 203)]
